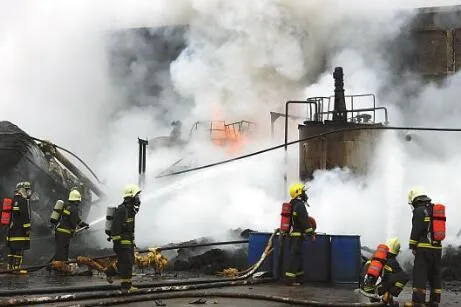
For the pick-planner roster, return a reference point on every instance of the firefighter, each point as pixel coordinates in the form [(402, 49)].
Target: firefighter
[(122, 235), (393, 277), (18, 239), (300, 227), (65, 229), (428, 253)]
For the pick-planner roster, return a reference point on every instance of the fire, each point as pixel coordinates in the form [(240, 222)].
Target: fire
[(231, 136)]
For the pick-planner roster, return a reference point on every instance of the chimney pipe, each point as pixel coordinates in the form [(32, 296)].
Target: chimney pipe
[(340, 111)]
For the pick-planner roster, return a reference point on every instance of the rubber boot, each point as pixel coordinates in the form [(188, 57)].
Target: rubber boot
[(111, 272), (299, 279), (127, 286), (388, 299), (291, 281), (17, 260)]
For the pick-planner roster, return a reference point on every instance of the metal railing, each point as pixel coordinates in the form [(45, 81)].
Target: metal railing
[(233, 129), (355, 115)]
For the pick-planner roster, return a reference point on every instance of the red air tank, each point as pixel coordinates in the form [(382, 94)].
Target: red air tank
[(285, 221), (6, 211)]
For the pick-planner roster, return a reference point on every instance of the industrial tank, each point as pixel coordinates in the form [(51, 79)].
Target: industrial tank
[(328, 149)]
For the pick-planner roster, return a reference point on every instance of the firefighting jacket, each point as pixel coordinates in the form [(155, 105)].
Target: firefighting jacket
[(420, 236), (19, 229), (391, 266), (69, 219), (299, 219), (122, 231)]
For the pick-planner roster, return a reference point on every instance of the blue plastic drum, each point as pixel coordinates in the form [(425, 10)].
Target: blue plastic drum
[(345, 258), (257, 242)]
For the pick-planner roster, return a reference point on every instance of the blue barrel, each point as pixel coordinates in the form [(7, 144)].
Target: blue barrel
[(316, 258), (345, 258), (257, 242)]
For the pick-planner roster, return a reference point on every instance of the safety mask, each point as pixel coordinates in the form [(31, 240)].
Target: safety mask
[(303, 196), (136, 203), (28, 193)]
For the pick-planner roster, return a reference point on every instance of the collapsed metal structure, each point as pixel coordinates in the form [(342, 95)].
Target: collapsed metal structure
[(51, 174)]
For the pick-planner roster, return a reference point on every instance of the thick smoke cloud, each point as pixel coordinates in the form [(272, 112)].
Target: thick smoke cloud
[(242, 59)]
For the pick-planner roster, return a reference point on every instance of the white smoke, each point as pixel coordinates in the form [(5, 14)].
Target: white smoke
[(243, 59)]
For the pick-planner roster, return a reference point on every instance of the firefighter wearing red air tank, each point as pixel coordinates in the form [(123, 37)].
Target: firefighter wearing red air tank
[(300, 227), (382, 274), (427, 234), (18, 239)]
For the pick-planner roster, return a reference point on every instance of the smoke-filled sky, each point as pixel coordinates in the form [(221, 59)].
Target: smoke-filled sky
[(242, 59)]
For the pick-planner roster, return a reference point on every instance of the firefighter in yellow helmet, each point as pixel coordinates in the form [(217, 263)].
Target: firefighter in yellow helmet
[(122, 235), (67, 223), (393, 278), (300, 228), (18, 239), (428, 252)]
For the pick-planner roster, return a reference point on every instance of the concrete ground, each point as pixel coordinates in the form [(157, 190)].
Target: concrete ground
[(317, 292)]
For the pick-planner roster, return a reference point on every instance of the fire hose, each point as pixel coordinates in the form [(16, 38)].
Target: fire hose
[(52, 299), (49, 290), (148, 294), (262, 297), (38, 267), (105, 294), (320, 135)]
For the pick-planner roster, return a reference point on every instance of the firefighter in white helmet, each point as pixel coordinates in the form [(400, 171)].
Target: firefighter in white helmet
[(427, 249), (122, 235), (66, 225)]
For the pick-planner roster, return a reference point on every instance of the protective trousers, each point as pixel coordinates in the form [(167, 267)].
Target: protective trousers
[(394, 284), (427, 268), (124, 266), (62, 246), (15, 257), (295, 264)]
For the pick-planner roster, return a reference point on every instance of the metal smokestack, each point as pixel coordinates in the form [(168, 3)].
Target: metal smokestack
[(339, 112)]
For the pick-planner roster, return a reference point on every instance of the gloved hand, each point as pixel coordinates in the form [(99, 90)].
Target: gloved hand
[(84, 225), (27, 232)]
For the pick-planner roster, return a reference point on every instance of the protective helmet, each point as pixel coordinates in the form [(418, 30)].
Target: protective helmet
[(394, 245), (23, 188), (75, 195), (131, 190), (297, 189), (26, 185), (413, 193)]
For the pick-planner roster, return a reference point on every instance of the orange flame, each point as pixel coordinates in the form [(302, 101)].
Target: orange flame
[(223, 135)]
